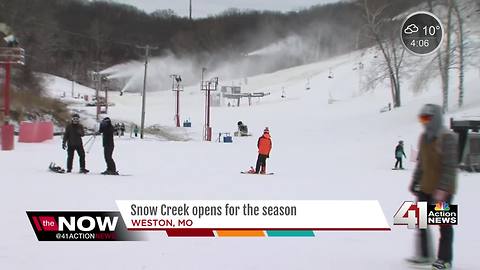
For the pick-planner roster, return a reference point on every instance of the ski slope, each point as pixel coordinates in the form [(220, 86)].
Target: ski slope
[(321, 151)]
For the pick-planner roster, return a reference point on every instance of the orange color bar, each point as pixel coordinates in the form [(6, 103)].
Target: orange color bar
[(240, 233)]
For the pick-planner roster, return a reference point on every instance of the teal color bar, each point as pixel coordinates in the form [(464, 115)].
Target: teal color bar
[(276, 233)]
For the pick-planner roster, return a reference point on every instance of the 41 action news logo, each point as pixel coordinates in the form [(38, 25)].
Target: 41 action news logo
[(421, 214), (80, 226)]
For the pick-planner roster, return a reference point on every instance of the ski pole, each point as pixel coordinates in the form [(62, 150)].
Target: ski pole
[(91, 145), (86, 143)]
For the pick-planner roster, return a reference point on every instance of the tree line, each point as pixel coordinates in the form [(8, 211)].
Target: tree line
[(70, 37)]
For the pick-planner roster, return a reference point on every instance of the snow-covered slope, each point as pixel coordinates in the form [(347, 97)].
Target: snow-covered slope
[(342, 150)]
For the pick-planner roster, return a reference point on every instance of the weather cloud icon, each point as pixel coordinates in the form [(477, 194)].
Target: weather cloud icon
[(412, 28)]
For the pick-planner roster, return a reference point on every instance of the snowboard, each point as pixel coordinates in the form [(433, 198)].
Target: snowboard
[(397, 169), (248, 172), (252, 171), (53, 167), (56, 169), (90, 173), (120, 174)]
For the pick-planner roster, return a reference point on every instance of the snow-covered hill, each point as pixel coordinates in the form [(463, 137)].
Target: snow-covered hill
[(321, 150)]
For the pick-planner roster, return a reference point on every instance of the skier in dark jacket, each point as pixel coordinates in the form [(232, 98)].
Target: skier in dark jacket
[(399, 154), (434, 180), (72, 141), (264, 147), (242, 129), (122, 129), (107, 130)]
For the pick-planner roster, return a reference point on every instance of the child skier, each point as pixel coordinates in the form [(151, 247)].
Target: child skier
[(399, 154), (264, 146), (135, 130)]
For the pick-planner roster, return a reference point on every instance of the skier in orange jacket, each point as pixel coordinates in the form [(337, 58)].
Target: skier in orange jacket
[(264, 146)]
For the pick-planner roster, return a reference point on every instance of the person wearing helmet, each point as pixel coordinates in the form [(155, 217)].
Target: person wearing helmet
[(399, 154), (264, 147), (107, 130), (72, 141), (434, 180)]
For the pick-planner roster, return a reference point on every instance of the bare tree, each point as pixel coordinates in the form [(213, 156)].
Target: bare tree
[(444, 59), (380, 28), (461, 53), (446, 56)]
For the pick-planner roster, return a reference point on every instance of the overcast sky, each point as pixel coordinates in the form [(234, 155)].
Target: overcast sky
[(203, 8)]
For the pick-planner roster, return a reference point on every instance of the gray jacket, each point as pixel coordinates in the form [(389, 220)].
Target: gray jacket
[(430, 175), (437, 158)]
